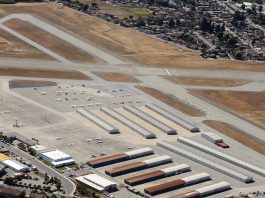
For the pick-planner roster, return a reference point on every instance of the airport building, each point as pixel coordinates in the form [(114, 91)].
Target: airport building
[(56, 158), (15, 166), (38, 148), (97, 182)]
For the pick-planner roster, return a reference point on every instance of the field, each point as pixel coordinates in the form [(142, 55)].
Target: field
[(116, 77), (49, 41), (206, 81), (43, 73), (124, 42), (247, 105), (172, 101), (30, 83), (236, 134), (12, 47), (139, 12)]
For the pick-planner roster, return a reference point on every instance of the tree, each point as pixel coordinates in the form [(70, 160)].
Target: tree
[(260, 8), (94, 4), (259, 1), (254, 9), (205, 24), (171, 23), (9, 180), (46, 177), (85, 7), (23, 194), (58, 185), (243, 6), (238, 16)]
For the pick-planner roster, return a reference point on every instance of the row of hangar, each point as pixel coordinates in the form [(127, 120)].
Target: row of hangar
[(167, 113), (177, 169), (157, 174)]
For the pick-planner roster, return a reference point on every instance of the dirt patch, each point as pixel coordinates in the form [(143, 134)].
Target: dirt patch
[(245, 104), (76, 75), (125, 42), (206, 81), (30, 83), (238, 135), (49, 41), (172, 101), (12, 47), (117, 77)]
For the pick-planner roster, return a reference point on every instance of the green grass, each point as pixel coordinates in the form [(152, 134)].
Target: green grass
[(139, 12), (65, 167), (73, 166)]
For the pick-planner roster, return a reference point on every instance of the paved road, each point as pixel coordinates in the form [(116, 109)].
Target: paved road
[(90, 49), (133, 69), (67, 184)]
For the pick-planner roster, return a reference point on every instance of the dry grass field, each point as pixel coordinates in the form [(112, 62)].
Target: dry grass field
[(124, 42), (206, 81), (172, 101), (30, 83), (49, 41), (247, 105), (75, 75), (238, 135), (116, 77), (12, 47)]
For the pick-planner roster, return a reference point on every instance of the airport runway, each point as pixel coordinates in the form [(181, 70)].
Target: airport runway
[(90, 49)]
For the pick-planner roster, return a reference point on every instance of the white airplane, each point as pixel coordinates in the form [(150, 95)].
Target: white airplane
[(71, 144), (89, 140), (73, 106), (57, 99), (138, 101)]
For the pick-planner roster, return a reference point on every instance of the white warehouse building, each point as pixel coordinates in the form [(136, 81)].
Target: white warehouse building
[(15, 166), (97, 182), (56, 158)]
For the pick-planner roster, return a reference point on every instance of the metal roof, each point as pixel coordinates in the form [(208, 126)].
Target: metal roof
[(137, 152), (149, 119), (56, 155), (211, 135), (96, 181), (95, 119), (15, 165), (164, 158), (205, 162), (170, 115), (222, 156), (38, 148), (175, 169), (142, 131), (221, 186)]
